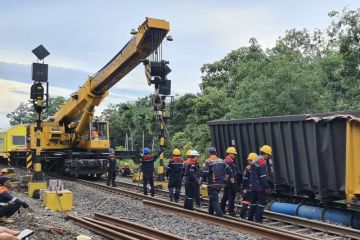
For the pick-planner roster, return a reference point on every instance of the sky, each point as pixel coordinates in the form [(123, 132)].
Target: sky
[(83, 35)]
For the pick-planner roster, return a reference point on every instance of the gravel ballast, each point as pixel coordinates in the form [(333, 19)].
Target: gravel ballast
[(134, 210)]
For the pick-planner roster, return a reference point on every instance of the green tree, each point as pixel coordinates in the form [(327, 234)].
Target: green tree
[(344, 34), (305, 72), (24, 113), (131, 118), (55, 103)]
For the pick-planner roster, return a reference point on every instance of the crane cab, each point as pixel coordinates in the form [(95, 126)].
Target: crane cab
[(96, 136)]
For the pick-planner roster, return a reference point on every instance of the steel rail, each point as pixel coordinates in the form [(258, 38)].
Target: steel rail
[(241, 226), (134, 234), (303, 222), (131, 226), (101, 230), (317, 225), (309, 224)]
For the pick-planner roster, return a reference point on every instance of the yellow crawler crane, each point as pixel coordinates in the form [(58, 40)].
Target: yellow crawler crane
[(71, 141)]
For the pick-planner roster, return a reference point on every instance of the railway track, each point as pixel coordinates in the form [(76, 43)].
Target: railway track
[(278, 220), (277, 226), (115, 228), (299, 228)]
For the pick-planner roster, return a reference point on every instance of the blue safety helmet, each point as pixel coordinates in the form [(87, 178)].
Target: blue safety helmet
[(212, 150), (111, 150), (147, 150)]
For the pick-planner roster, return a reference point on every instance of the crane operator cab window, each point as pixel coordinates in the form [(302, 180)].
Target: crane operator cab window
[(18, 140), (99, 131)]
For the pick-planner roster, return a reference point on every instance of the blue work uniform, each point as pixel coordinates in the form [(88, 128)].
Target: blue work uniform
[(258, 186), (246, 190), (112, 169), (147, 167), (229, 194), (9, 204), (215, 170), (191, 183), (174, 172)]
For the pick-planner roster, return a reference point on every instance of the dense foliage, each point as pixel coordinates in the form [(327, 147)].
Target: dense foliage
[(305, 72)]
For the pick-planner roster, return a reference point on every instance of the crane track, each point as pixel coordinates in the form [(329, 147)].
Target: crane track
[(277, 226)]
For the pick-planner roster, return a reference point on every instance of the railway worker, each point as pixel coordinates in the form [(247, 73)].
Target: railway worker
[(259, 184), (191, 180), (112, 168), (246, 186), (94, 133), (147, 167), (216, 170), (125, 171), (9, 204), (188, 155), (198, 173), (230, 188), (174, 173)]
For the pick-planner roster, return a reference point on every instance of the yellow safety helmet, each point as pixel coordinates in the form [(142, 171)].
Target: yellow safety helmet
[(176, 152), (266, 149), (251, 156), (4, 170), (231, 150), (188, 152), (126, 164)]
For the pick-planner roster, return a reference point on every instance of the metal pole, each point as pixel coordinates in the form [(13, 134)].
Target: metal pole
[(143, 139)]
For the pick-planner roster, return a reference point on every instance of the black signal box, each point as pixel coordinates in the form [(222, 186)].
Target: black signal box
[(165, 88), (40, 72)]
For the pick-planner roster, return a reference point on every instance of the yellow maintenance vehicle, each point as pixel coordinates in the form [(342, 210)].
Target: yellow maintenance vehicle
[(13, 144), (71, 141)]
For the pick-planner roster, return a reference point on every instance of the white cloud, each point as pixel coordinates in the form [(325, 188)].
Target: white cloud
[(13, 93)]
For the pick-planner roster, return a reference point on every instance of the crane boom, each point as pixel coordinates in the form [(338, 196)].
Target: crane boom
[(81, 105)]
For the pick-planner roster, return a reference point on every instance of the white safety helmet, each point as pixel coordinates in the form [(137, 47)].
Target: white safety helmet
[(194, 153)]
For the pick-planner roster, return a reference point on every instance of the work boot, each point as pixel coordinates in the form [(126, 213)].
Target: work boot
[(233, 214), (211, 209), (113, 185), (108, 184), (6, 220), (176, 200), (171, 199), (152, 191), (244, 208), (252, 211), (259, 213)]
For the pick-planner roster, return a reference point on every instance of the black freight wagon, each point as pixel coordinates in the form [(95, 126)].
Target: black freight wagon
[(309, 151)]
